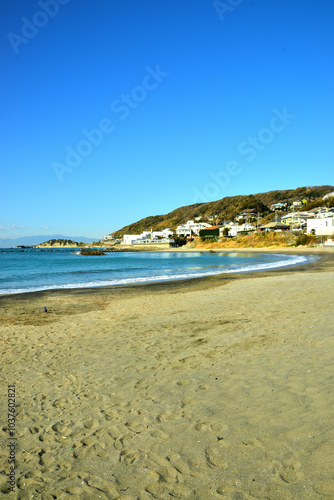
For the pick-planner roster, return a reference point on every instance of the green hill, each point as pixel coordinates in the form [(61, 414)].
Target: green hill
[(227, 208), (59, 243)]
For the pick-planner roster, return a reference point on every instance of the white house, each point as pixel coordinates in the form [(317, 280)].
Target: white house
[(235, 229), (325, 212), (107, 237), (277, 206), (129, 239), (296, 219), (147, 237), (183, 231), (165, 233), (190, 228), (321, 226)]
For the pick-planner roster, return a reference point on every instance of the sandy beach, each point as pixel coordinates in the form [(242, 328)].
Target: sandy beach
[(203, 389)]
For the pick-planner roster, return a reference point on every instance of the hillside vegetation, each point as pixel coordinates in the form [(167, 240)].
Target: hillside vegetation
[(58, 243), (227, 208), (260, 240)]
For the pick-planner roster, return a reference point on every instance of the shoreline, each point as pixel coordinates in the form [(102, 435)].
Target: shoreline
[(299, 249), (325, 254), (324, 263)]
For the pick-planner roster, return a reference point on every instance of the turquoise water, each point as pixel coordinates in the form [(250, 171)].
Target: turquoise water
[(36, 269)]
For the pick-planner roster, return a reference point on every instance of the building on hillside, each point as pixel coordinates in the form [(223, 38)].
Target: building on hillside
[(190, 228), (165, 233), (278, 206), (235, 229), (321, 226), (183, 231), (211, 232), (108, 237), (212, 217), (130, 239), (314, 211), (247, 215), (274, 226), (296, 220), (147, 237), (324, 212)]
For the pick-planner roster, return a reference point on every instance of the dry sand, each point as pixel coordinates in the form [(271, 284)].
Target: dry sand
[(205, 389)]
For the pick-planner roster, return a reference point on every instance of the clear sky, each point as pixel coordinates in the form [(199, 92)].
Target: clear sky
[(116, 110)]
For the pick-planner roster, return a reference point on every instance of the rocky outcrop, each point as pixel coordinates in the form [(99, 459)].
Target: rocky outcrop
[(91, 251), (58, 244)]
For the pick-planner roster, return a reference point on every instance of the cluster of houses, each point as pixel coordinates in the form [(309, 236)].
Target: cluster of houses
[(148, 237), (319, 221)]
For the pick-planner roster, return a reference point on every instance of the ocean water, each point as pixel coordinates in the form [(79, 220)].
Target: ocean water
[(40, 269)]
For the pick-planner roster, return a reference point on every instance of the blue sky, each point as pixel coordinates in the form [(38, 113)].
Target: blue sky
[(117, 110)]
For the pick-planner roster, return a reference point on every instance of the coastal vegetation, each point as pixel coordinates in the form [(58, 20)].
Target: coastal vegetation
[(179, 241), (261, 240), (58, 243), (63, 243)]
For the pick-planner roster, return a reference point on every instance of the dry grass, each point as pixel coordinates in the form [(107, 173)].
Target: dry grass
[(256, 240)]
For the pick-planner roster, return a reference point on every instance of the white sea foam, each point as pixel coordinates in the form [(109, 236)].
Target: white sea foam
[(287, 260)]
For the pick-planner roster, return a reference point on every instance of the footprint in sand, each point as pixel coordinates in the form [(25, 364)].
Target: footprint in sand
[(63, 428), (91, 423), (325, 488), (141, 383), (89, 440), (292, 462), (188, 401), (183, 383), (166, 415), (276, 492), (98, 484), (159, 434), (179, 464), (161, 466), (129, 457), (46, 459), (163, 490), (135, 427), (34, 430), (288, 469), (201, 426), (291, 476), (45, 437), (215, 458), (114, 431)]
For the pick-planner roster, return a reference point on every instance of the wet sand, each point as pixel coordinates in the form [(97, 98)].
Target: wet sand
[(203, 389)]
